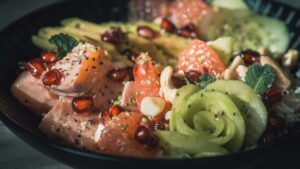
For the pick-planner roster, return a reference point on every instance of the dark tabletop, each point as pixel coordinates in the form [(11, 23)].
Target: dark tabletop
[(14, 153)]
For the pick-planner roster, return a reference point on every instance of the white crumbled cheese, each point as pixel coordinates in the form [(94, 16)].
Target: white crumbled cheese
[(98, 132), (152, 106)]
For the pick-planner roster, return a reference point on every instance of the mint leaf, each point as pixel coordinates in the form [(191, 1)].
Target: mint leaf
[(260, 78), (64, 43), (205, 80)]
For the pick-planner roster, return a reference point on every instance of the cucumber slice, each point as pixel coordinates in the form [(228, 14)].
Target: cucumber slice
[(181, 96), (248, 30), (249, 103), (230, 4), (224, 47), (178, 145), (221, 106)]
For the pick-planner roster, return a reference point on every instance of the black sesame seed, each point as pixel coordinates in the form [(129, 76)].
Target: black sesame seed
[(189, 106), (94, 67), (101, 63), (177, 94), (86, 69), (94, 59), (76, 141), (233, 114), (57, 130)]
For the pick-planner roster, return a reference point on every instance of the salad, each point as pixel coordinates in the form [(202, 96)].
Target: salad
[(197, 80)]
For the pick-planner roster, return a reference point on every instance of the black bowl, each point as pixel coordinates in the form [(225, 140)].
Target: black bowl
[(15, 46)]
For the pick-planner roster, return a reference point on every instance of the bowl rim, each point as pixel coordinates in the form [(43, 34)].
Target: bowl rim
[(13, 126)]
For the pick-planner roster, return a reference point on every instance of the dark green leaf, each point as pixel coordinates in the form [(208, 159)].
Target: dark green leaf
[(205, 80), (64, 43), (260, 78)]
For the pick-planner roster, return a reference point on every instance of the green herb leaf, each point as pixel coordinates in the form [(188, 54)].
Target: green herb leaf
[(64, 43), (260, 78), (205, 80)]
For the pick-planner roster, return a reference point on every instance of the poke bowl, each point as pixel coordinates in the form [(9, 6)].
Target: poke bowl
[(131, 84)]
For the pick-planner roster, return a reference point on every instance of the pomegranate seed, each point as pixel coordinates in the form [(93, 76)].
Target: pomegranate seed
[(145, 121), (83, 104), (35, 67), (52, 77), (49, 57), (153, 142), (188, 31), (129, 55), (168, 26), (118, 75), (272, 95), (159, 125), (146, 32), (178, 82), (250, 57), (114, 36), (142, 134), (276, 122), (114, 110), (194, 76)]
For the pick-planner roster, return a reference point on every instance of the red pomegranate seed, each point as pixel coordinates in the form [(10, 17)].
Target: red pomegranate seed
[(188, 31), (52, 77), (146, 32), (49, 57), (143, 134), (276, 122), (168, 26), (194, 76), (272, 95), (83, 104), (178, 82), (145, 121), (130, 55), (159, 125), (153, 142), (114, 110), (36, 67), (114, 36), (118, 75), (250, 57)]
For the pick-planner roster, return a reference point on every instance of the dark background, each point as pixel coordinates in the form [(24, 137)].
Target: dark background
[(14, 154)]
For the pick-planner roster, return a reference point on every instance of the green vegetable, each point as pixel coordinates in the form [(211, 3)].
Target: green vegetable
[(178, 145), (249, 103), (64, 43), (207, 115), (205, 80), (224, 47), (260, 78)]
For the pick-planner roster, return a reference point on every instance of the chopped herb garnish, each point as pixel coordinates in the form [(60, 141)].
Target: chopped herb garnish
[(205, 80), (64, 43)]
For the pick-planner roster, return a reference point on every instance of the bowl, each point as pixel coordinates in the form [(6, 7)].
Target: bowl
[(16, 46)]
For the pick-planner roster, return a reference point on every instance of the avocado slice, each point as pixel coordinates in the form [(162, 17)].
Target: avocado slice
[(249, 103)]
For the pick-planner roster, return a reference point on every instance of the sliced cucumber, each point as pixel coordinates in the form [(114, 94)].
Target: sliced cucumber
[(224, 47), (249, 103), (249, 31), (230, 4), (178, 145)]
